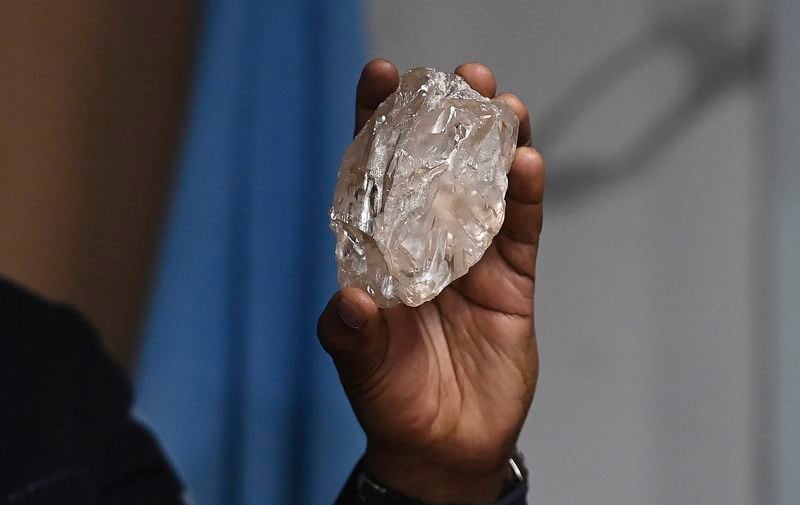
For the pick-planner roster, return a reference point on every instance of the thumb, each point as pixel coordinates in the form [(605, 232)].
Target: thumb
[(352, 331)]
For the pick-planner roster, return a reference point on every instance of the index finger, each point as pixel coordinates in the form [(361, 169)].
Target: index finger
[(378, 79)]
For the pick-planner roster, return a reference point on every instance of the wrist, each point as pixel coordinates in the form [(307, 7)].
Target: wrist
[(416, 476)]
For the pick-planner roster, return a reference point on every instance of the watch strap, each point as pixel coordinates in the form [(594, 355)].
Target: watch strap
[(364, 489)]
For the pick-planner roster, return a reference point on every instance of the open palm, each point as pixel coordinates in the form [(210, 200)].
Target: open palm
[(443, 389)]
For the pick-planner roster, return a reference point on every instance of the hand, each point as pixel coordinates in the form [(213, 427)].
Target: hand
[(442, 390)]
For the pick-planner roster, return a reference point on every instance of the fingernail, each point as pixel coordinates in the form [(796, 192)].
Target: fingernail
[(349, 314)]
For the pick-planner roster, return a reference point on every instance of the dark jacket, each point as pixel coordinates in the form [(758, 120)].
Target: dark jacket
[(66, 434)]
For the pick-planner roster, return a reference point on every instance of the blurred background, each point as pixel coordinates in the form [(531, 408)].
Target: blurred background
[(166, 167)]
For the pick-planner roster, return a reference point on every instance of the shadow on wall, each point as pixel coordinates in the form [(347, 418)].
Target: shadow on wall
[(717, 60)]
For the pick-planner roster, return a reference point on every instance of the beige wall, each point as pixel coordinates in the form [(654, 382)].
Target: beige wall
[(91, 98)]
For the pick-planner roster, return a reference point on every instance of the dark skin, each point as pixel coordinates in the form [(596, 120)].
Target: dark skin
[(442, 390)]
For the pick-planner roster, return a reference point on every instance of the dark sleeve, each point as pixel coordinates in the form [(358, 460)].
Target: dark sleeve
[(355, 492), (66, 431)]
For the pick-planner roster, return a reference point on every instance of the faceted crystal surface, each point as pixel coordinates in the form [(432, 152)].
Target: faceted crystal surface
[(421, 190)]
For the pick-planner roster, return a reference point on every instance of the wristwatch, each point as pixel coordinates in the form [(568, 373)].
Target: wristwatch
[(370, 491)]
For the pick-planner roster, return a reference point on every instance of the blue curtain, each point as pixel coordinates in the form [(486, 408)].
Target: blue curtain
[(231, 377)]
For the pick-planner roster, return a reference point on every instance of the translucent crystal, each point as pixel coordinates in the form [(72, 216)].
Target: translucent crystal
[(421, 190)]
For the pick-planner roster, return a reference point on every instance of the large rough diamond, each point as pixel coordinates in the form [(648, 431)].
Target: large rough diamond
[(421, 190)]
